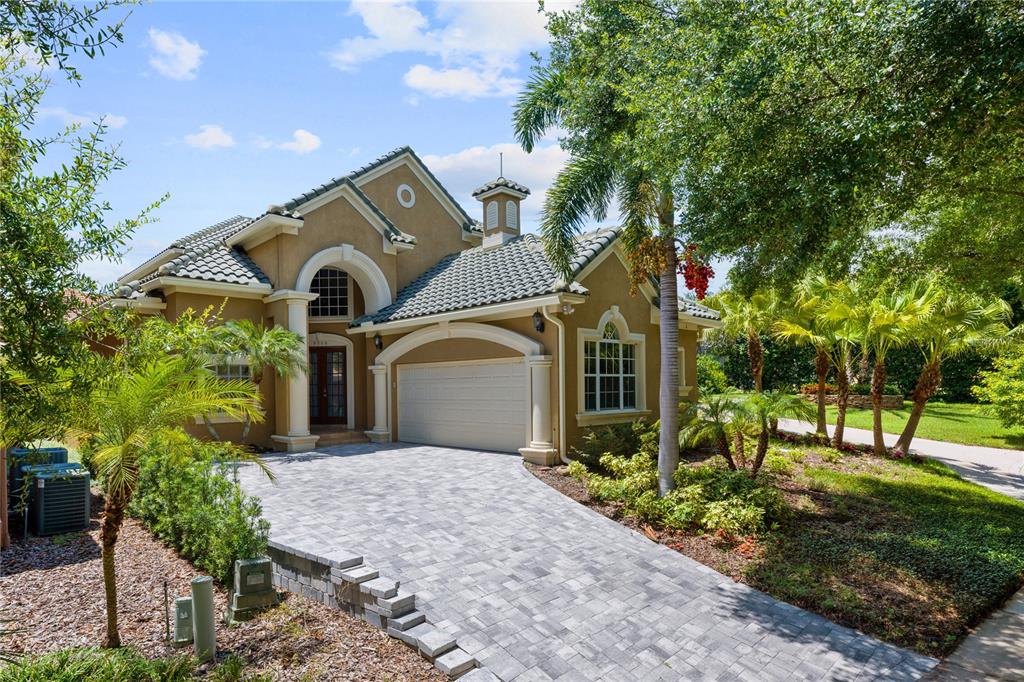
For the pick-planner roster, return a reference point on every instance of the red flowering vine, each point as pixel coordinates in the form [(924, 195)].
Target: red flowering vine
[(696, 273)]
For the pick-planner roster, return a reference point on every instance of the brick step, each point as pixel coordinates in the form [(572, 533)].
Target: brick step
[(328, 438)]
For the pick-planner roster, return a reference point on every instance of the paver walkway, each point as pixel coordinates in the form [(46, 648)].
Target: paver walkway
[(995, 650), (538, 587)]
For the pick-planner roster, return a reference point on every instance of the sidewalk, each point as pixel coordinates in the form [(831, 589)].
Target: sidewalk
[(995, 650)]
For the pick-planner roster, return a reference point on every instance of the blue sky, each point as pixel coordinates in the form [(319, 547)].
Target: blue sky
[(230, 107)]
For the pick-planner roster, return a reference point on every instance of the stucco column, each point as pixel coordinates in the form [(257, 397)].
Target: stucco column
[(298, 437), (298, 381), (380, 431), (542, 449)]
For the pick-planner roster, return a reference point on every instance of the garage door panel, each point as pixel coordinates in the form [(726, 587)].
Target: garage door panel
[(472, 405)]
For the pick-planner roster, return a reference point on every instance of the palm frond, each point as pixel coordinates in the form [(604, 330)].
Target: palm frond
[(538, 108), (583, 187)]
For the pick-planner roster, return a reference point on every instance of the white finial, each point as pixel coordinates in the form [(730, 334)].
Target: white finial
[(501, 164)]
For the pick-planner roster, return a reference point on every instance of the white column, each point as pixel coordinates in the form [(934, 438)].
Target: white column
[(542, 449), (540, 392), (298, 381), (297, 438), (380, 431)]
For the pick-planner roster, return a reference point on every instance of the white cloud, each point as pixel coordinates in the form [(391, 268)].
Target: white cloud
[(477, 43), (302, 142), (209, 137), (463, 171), (174, 55), (69, 118), (464, 82)]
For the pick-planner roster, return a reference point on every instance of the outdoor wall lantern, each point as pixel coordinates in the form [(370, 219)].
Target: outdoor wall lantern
[(378, 342), (538, 321)]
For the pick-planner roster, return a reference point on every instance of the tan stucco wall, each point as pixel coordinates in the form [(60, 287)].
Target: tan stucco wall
[(437, 233), (234, 309)]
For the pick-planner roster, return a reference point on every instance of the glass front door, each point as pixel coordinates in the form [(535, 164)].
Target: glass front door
[(328, 403)]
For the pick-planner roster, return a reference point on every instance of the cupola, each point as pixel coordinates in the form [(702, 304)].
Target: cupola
[(501, 220)]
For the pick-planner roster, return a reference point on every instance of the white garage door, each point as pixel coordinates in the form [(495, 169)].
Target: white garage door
[(480, 405)]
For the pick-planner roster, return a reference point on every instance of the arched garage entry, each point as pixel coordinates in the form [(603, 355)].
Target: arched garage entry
[(493, 404)]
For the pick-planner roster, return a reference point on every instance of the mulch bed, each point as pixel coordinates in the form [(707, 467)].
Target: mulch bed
[(52, 591)]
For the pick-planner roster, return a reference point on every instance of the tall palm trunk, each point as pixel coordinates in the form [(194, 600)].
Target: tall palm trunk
[(756, 353), (877, 389), (247, 424), (113, 517), (927, 383), (842, 400), (821, 367), (668, 407), (209, 427)]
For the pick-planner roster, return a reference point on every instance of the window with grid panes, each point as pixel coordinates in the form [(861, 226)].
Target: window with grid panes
[(609, 373), (332, 285), (231, 368)]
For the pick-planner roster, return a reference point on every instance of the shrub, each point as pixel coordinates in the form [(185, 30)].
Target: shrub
[(865, 389), (621, 440), (812, 389), (711, 377), (108, 665), (707, 498), (189, 500), (1003, 387)]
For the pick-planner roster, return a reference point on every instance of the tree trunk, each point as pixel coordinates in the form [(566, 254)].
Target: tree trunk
[(668, 407), (257, 377), (843, 384), (762, 450), (737, 443), (877, 389), (113, 517), (756, 353), (821, 366), (723, 450), (5, 534), (209, 427), (927, 383)]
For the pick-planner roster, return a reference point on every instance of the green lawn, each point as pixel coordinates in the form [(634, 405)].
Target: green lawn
[(953, 422), (904, 550)]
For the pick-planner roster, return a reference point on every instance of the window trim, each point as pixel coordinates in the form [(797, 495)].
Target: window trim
[(585, 416), (348, 297)]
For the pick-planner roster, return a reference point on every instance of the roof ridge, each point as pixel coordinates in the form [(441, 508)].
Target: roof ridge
[(208, 230)]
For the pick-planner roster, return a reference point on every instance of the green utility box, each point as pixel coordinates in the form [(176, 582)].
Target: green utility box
[(253, 590)]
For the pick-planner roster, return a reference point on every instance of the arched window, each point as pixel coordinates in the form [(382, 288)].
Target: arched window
[(492, 214), (510, 214), (609, 372), (332, 285)]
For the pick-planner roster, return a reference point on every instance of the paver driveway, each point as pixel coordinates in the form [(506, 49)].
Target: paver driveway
[(538, 587)]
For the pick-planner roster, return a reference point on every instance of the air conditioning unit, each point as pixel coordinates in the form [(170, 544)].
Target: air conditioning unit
[(59, 501)]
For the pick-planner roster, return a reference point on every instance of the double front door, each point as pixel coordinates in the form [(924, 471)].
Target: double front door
[(328, 402)]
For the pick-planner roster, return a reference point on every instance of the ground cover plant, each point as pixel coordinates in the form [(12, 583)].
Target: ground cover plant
[(902, 549), (964, 423)]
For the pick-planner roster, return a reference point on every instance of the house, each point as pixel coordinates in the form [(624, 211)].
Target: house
[(424, 324)]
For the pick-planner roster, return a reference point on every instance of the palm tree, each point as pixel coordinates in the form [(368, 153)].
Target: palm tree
[(887, 322), (131, 409), (827, 318), (602, 168), (749, 318), (767, 407), (956, 323), (712, 421), (281, 350), (805, 325)]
